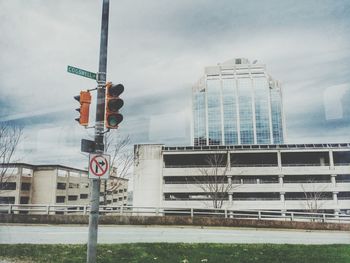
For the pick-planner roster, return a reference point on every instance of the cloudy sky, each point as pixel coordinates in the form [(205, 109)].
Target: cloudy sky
[(158, 49)]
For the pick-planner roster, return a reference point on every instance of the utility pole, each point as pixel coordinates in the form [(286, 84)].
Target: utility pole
[(99, 134)]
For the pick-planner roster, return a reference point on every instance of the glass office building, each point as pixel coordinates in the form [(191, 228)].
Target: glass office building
[(237, 102)]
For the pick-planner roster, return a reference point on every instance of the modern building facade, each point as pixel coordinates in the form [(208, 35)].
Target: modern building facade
[(56, 185), (235, 103), (282, 177)]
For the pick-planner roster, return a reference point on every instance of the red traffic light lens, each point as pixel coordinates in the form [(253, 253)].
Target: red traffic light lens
[(115, 90)]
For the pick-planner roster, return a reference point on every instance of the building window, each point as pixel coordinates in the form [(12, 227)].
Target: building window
[(305, 158), (194, 196), (24, 200), (245, 94), (7, 200), (121, 190), (199, 120), (344, 196), (25, 186), (214, 112), (307, 179), (8, 186), (343, 178), (60, 199), (253, 159), (256, 196), (62, 173), (72, 185), (276, 114), (341, 158), (262, 121), (194, 179), (11, 171), (27, 172), (193, 160), (61, 186), (74, 174), (315, 196), (84, 185), (229, 111), (84, 196), (72, 197)]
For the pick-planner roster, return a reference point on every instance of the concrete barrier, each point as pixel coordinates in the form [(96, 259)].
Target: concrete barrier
[(169, 220)]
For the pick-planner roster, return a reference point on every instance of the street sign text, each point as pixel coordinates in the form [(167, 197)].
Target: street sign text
[(81, 72)]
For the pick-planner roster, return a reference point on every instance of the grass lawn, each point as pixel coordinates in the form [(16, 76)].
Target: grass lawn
[(180, 253)]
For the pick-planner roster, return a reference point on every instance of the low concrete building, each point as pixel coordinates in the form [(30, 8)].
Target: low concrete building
[(16, 184), (55, 185), (114, 191), (285, 177)]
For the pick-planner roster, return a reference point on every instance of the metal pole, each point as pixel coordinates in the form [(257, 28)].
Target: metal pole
[(99, 135)]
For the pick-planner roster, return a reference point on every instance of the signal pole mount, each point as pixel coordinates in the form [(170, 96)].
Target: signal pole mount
[(99, 134)]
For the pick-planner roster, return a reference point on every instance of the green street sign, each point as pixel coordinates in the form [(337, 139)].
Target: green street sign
[(81, 72)]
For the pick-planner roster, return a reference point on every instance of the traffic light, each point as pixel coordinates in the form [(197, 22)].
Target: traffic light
[(84, 99), (113, 104)]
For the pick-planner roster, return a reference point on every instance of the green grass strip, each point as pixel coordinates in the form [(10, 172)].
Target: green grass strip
[(180, 253)]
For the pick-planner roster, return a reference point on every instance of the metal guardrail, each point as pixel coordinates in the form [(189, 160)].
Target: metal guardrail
[(45, 209)]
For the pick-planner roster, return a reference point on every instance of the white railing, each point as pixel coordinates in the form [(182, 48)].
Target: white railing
[(45, 209)]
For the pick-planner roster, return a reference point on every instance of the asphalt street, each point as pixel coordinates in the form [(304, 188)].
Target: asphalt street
[(73, 234)]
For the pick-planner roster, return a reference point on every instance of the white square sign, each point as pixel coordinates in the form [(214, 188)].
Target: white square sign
[(99, 166)]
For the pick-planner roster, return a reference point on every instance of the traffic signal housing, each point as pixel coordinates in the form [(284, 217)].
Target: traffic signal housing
[(113, 105), (85, 100)]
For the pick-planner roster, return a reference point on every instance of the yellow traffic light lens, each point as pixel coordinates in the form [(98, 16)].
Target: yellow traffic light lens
[(114, 105)]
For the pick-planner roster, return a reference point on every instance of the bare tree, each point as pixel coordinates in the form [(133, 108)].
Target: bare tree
[(214, 181), (315, 197), (10, 135), (121, 161)]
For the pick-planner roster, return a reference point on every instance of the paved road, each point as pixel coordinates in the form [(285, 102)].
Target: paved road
[(45, 234)]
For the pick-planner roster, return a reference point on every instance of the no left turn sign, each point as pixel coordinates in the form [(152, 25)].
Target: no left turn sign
[(99, 166)]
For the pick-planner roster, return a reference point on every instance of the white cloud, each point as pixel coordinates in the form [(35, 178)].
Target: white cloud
[(168, 126)]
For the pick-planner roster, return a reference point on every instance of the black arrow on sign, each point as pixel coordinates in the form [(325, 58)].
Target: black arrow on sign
[(102, 163)]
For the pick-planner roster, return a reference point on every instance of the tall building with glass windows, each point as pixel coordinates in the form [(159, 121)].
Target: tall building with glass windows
[(237, 102)]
